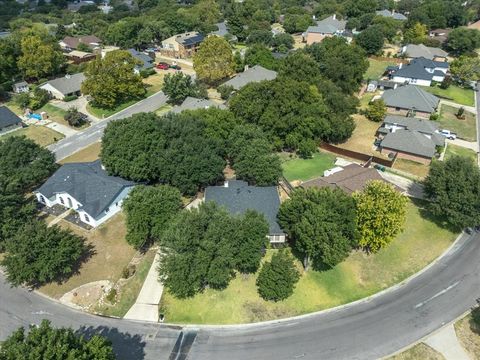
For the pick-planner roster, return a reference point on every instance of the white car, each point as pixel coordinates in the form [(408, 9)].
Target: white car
[(448, 134)]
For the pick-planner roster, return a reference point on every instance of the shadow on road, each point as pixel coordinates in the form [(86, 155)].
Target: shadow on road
[(126, 346)]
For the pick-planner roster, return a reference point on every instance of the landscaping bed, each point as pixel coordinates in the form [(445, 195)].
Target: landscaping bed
[(305, 169), (361, 275), (464, 128), (454, 93)]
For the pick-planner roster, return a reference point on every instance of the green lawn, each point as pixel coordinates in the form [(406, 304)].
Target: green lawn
[(360, 275), (376, 69), (459, 151), (42, 135), (104, 113), (453, 93), (465, 129), (305, 169), (162, 110)]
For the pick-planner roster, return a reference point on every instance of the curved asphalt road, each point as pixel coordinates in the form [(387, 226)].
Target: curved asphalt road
[(365, 330)]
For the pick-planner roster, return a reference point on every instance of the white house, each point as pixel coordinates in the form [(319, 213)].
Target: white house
[(419, 71), (86, 188), (68, 85)]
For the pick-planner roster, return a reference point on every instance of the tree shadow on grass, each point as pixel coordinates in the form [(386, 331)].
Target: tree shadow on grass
[(125, 346), (426, 214)]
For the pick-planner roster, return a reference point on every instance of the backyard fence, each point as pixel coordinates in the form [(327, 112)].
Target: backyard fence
[(357, 155)]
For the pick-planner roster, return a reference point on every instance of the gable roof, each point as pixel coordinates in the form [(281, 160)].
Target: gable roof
[(330, 25), (8, 117), (411, 142), (256, 73), (146, 61), (391, 14), (87, 183), (417, 69), (352, 178), (409, 97), (237, 197), (72, 42), (416, 51), (191, 103), (412, 123), (67, 84)]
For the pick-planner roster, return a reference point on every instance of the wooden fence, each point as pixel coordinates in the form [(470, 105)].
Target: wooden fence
[(357, 155)]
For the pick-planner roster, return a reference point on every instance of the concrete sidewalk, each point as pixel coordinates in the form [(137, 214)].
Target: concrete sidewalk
[(446, 342), (62, 129), (472, 145), (146, 305), (471, 109), (412, 188)]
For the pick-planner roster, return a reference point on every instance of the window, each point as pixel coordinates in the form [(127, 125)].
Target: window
[(87, 218), (397, 109)]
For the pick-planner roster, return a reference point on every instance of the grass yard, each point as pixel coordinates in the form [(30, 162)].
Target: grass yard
[(366, 98), (465, 129), (130, 288), (454, 93), (453, 150), (42, 135), (412, 167), (111, 255), (360, 275), (469, 336), (419, 351), (90, 153), (154, 83), (306, 169), (376, 69), (104, 113)]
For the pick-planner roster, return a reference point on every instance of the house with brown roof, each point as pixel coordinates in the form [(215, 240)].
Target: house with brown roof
[(70, 43), (349, 178)]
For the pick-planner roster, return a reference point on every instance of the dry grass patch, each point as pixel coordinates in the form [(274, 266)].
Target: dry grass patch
[(154, 82), (418, 352), (90, 153), (111, 255), (42, 135), (412, 167), (467, 336)]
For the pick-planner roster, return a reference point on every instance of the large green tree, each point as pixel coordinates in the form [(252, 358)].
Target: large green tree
[(179, 86), (38, 254), (381, 212), (453, 190), (322, 224), (466, 68), (259, 55), (111, 81), (46, 342), (278, 277), (376, 110), (462, 41), (40, 57), (214, 60), (149, 209), (371, 39)]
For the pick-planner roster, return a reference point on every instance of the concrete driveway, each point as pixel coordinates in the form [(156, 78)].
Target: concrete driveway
[(80, 104)]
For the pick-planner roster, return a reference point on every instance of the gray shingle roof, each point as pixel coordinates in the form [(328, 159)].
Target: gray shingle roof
[(147, 61), (329, 25), (256, 73), (416, 51), (239, 197), (88, 183), (421, 125), (68, 84), (8, 117), (411, 142), (416, 69), (191, 103), (409, 97), (390, 14), (222, 29)]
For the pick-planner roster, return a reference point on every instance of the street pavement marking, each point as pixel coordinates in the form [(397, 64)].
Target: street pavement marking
[(437, 295)]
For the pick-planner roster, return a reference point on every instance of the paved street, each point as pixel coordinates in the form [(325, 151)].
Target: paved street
[(366, 330), (72, 144)]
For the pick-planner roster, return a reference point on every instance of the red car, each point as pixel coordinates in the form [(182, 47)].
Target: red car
[(163, 66)]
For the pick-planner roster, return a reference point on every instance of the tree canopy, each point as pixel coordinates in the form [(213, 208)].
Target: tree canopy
[(463, 41), (322, 224), (466, 69), (214, 60), (179, 86), (453, 188), (46, 342), (371, 39), (148, 211)]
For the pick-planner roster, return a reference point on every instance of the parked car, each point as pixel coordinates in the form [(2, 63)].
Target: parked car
[(175, 67), (163, 66), (448, 134)]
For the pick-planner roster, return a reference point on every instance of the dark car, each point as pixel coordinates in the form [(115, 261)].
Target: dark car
[(163, 66), (175, 67)]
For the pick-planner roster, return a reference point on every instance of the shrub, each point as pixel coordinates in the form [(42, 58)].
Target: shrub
[(69, 98), (225, 91), (147, 72), (111, 296), (445, 84), (75, 118), (434, 116)]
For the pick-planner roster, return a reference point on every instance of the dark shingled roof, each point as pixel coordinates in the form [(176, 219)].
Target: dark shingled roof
[(87, 183), (411, 142), (409, 97), (146, 61), (8, 117), (417, 69), (238, 197), (192, 40), (412, 123), (352, 178)]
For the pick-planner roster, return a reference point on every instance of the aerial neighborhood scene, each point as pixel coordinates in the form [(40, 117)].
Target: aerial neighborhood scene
[(239, 179)]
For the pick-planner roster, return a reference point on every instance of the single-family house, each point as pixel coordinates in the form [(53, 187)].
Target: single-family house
[(9, 121), (146, 62), (255, 73), (191, 103), (68, 85), (412, 51), (78, 57), (70, 43), (328, 27), (391, 14), (182, 45), (410, 145), (349, 178), (440, 35), (87, 189), (237, 197), (410, 99), (20, 87), (420, 71)]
